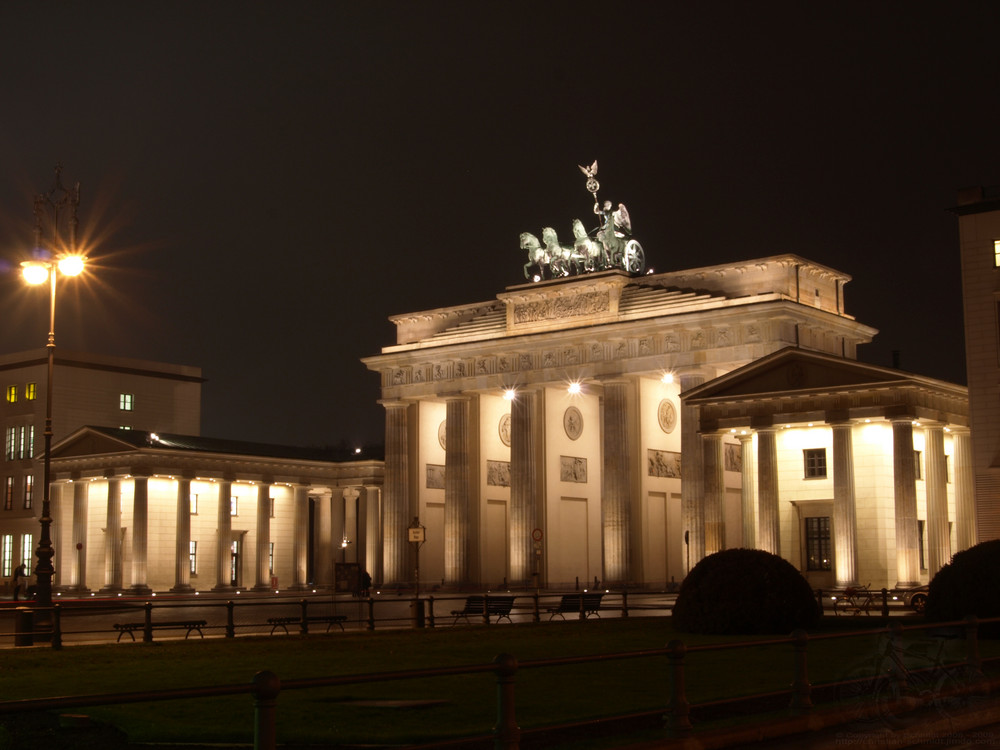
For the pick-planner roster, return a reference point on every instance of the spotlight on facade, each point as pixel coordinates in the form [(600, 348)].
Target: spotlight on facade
[(508, 394), (668, 378), (574, 388)]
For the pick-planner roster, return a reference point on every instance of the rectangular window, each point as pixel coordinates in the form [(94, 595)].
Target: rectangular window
[(10, 447), (126, 401), (814, 460), (996, 253), (29, 490), (8, 493), (27, 552), (270, 559), (917, 470), (11, 394), (234, 505), (271, 501), (7, 555), (947, 468), (920, 533), (193, 557), (818, 549), (23, 444), (193, 503), (31, 391)]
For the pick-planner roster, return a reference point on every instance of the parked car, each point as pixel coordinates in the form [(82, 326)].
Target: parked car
[(914, 598)]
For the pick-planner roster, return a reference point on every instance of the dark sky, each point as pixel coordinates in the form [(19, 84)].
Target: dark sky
[(264, 184)]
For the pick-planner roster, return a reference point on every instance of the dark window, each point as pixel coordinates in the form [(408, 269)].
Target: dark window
[(814, 460), (818, 550)]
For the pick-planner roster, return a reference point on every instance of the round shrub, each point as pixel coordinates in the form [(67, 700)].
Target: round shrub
[(744, 591), (968, 585)]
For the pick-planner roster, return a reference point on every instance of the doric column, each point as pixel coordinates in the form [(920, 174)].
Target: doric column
[(140, 535), (769, 530), (905, 493), (715, 488), (936, 487), (224, 538), (81, 494), (182, 545), (373, 535), (113, 538), (966, 531), (523, 484), (323, 522), (748, 491), (615, 510), (457, 490), (350, 525), (692, 476), (845, 520), (300, 537), (263, 556), (395, 503)]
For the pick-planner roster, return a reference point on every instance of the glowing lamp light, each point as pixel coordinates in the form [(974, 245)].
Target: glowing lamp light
[(34, 273), (508, 394), (574, 388), (71, 265), (668, 378), (357, 451)]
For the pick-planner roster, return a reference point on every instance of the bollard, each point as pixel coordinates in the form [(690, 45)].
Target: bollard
[(536, 615), (624, 603), (371, 613), (678, 718), (885, 602), (583, 612), (304, 622), (417, 612), (147, 628), (486, 609), (266, 687), (230, 622), (506, 734), (801, 689), (57, 627), (430, 611)]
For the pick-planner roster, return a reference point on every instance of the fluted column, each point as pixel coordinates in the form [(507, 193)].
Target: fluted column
[(748, 492), (966, 530), (769, 529), (692, 476), (373, 526), (300, 537), (324, 547), (523, 483), (81, 495), (182, 544), (845, 520), (113, 539), (140, 535), (715, 488), (457, 491), (395, 502), (936, 487), (263, 556), (615, 510), (224, 538), (349, 528), (905, 493)]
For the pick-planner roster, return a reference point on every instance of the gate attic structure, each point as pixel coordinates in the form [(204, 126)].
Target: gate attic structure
[(540, 437)]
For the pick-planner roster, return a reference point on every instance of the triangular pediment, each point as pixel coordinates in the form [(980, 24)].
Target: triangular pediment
[(794, 370), (89, 441)]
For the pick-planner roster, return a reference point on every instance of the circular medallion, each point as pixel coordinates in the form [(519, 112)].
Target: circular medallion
[(504, 429), (573, 423), (667, 415), (443, 434)]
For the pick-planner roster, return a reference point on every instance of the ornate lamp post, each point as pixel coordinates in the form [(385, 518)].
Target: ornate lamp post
[(53, 260)]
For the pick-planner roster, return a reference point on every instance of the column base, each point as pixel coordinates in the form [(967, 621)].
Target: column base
[(111, 590), (140, 589), (182, 588), (260, 587), (223, 587)]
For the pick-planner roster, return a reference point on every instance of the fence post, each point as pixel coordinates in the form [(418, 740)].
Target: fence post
[(230, 620), (147, 628), (801, 689), (304, 622), (536, 614), (57, 627), (678, 709), (583, 612), (971, 645), (486, 609), (624, 603), (266, 686), (885, 602), (430, 611), (506, 734), (371, 613)]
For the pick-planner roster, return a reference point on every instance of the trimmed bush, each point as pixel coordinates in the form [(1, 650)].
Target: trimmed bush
[(968, 585), (744, 591)]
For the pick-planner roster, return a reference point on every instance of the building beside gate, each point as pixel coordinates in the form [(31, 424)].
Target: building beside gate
[(546, 435)]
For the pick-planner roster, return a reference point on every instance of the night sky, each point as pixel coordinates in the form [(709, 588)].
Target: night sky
[(264, 184)]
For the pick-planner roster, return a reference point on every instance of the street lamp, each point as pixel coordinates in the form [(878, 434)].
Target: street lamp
[(48, 267)]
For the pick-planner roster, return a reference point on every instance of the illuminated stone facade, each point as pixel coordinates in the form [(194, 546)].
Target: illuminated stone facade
[(625, 481)]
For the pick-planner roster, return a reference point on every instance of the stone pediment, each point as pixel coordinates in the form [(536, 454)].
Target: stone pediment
[(797, 370), (88, 442)]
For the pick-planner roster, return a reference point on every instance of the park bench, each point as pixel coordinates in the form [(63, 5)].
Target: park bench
[(587, 604), (487, 606), (188, 625), (284, 622)]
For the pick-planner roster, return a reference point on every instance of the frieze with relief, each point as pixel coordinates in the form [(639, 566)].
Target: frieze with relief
[(588, 303)]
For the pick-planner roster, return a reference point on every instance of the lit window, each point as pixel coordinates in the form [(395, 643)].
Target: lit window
[(7, 555), (23, 450), (193, 500), (31, 391), (996, 253), (27, 552), (234, 505), (10, 448), (126, 401), (29, 490), (11, 394), (818, 548), (814, 460), (270, 559), (193, 557), (8, 493)]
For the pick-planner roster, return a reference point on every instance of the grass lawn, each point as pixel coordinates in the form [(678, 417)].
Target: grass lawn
[(466, 703)]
